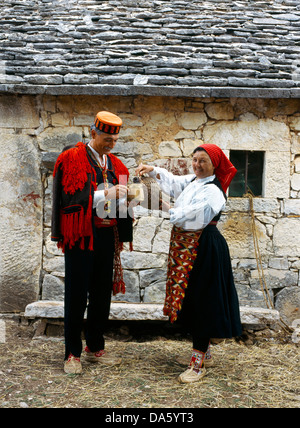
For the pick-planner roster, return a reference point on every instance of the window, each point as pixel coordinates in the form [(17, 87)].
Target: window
[(249, 176)]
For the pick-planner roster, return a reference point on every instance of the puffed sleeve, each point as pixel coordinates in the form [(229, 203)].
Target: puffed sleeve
[(195, 211), (169, 183)]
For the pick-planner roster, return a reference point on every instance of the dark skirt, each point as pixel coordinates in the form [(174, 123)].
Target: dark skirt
[(210, 307)]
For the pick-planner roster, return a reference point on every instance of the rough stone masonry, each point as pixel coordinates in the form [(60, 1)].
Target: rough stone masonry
[(162, 131), (179, 73)]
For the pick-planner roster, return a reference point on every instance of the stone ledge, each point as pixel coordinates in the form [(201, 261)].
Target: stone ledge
[(144, 312), (152, 90)]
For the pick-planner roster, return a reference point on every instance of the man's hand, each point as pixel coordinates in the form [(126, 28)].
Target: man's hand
[(116, 192)]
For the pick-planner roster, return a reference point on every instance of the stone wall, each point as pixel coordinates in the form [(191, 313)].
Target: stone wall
[(163, 131), (21, 203)]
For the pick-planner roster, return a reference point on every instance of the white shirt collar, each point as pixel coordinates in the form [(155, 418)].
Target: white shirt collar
[(205, 180), (97, 156)]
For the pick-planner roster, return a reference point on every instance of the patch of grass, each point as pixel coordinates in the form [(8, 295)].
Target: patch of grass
[(265, 374)]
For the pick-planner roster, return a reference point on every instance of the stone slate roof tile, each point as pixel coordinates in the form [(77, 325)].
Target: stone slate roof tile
[(179, 47)]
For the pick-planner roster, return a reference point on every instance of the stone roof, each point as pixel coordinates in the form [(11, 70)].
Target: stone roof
[(151, 47)]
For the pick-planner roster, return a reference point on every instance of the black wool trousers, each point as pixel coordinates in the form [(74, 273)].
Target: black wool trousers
[(88, 285)]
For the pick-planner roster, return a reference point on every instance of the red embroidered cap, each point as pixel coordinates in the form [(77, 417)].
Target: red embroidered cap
[(108, 122)]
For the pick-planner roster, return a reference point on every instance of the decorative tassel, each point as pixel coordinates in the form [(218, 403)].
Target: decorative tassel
[(82, 242), (71, 227), (75, 167), (118, 282), (91, 244)]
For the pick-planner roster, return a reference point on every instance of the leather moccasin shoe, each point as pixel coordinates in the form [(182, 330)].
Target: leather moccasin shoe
[(102, 357), (72, 365), (190, 375)]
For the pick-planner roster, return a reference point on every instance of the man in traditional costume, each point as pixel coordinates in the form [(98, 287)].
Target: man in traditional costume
[(200, 290), (89, 180)]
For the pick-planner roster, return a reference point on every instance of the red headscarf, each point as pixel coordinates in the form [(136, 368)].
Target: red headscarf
[(224, 170)]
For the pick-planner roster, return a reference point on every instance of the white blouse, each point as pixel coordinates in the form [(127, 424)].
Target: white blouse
[(196, 203)]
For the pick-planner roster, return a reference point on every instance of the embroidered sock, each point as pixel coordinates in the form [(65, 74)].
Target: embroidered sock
[(208, 354), (197, 360)]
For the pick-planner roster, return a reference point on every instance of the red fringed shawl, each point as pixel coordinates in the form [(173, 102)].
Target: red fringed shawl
[(75, 219), (76, 167)]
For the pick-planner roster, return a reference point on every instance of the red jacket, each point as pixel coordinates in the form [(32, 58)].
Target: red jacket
[(74, 184)]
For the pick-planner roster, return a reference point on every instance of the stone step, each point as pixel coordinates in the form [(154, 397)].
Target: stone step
[(145, 312)]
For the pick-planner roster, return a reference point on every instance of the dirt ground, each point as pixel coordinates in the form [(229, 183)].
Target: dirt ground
[(260, 371)]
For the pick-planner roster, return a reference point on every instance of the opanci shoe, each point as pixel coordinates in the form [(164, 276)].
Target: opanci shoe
[(72, 365), (102, 357)]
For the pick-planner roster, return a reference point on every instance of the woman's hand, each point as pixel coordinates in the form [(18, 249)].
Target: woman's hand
[(143, 169), (165, 206), (116, 192)]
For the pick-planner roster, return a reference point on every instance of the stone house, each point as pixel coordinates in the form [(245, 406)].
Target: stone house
[(179, 73)]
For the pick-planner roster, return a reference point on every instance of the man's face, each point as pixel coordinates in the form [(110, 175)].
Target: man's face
[(104, 143)]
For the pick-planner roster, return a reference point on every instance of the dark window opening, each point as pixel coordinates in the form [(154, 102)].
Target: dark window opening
[(249, 176)]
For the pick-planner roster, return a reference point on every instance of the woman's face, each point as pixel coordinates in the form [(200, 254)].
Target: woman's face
[(202, 164)]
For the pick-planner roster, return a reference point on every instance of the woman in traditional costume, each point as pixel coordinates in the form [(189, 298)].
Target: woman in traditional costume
[(200, 290)]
